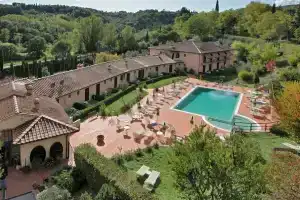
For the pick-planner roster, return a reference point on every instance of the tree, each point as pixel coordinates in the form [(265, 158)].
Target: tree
[(283, 176), (45, 71), (4, 35), (61, 49), (110, 36), (227, 21), (147, 37), (54, 193), (274, 8), (8, 50), (90, 32), (297, 34), (217, 6), (107, 192), (201, 25), (207, 168), (288, 108), (36, 46), (241, 51), (127, 39)]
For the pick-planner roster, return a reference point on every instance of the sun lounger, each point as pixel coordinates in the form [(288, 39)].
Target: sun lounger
[(151, 181), (297, 148), (144, 170)]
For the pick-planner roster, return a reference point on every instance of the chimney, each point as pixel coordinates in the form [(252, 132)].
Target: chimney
[(126, 63), (29, 89), (109, 68), (52, 85), (36, 103)]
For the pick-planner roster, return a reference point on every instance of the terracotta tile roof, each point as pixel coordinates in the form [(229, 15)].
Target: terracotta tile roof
[(42, 128), (154, 60), (64, 83), (18, 107), (193, 47)]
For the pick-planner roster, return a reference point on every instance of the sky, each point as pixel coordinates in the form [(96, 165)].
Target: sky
[(135, 5)]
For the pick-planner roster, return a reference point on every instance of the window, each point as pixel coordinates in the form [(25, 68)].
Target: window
[(57, 100), (211, 60), (204, 58), (78, 92), (172, 55), (122, 77), (69, 95), (156, 69), (184, 55), (218, 58), (105, 82), (177, 55)]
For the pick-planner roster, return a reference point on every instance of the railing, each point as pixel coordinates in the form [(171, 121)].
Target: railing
[(247, 127)]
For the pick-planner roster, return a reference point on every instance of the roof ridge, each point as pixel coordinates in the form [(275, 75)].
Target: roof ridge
[(139, 62), (196, 46), (17, 140), (27, 129)]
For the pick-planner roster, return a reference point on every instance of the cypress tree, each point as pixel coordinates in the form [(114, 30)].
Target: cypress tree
[(147, 37), (12, 70), (1, 61), (217, 6), (274, 8)]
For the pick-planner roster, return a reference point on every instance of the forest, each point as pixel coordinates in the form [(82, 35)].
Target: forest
[(36, 32)]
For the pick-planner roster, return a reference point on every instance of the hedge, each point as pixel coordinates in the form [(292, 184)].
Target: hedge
[(99, 170), (85, 112)]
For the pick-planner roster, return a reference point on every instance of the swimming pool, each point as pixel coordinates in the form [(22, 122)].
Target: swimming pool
[(210, 102), (218, 107)]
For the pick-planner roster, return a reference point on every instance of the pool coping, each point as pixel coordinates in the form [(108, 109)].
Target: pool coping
[(204, 117)]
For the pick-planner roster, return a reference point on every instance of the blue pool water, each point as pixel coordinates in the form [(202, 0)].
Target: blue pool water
[(208, 102)]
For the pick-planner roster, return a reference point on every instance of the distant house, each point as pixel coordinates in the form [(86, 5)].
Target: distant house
[(201, 57)]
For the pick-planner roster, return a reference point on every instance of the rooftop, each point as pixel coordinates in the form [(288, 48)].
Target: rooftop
[(194, 47), (64, 83)]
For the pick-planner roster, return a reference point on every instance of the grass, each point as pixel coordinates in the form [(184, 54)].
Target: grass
[(166, 81), (267, 142), (158, 160), (128, 99)]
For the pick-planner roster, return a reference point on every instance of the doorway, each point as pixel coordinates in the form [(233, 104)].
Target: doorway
[(87, 94), (116, 82)]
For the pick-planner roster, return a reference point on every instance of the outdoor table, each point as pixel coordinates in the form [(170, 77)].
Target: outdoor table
[(143, 171), (151, 180)]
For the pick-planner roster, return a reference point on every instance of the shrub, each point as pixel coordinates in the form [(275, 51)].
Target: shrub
[(107, 101), (156, 146), (139, 153), (278, 130), (118, 159), (98, 97), (192, 71), (80, 105), (65, 181), (255, 78), (54, 193), (100, 170), (246, 76), (128, 156), (149, 149), (293, 60), (85, 196), (289, 74), (71, 111), (107, 192), (114, 90)]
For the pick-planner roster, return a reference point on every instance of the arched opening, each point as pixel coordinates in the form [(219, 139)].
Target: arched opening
[(38, 155), (56, 150)]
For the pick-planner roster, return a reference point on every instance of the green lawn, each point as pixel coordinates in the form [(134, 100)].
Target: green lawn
[(267, 142), (166, 81), (129, 98), (159, 161)]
